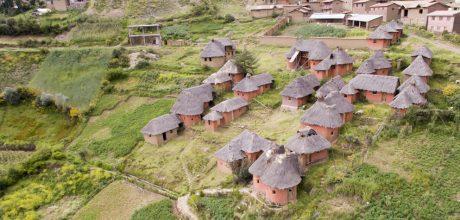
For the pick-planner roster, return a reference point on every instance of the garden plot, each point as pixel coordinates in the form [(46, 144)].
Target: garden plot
[(307, 30), (119, 200)]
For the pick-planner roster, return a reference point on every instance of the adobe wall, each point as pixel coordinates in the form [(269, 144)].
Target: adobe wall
[(346, 117), (350, 98), (158, 139), (281, 196), (253, 156), (319, 156), (378, 44), (230, 116), (225, 86), (383, 72), (258, 185), (237, 77), (223, 166), (293, 103), (215, 62), (379, 97), (211, 125), (246, 95), (287, 41), (190, 120), (331, 134)]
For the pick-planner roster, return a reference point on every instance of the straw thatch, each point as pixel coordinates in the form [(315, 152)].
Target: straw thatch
[(375, 83), (252, 83), (418, 67), (204, 92), (421, 85), (307, 141), (213, 116), (348, 89), (188, 104), (341, 104), (322, 115), (230, 153), (334, 84), (230, 105), (217, 77), (317, 50), (423, 51), (380, 34), (161, 124), (230, 68), (216, 48), (283, 172)]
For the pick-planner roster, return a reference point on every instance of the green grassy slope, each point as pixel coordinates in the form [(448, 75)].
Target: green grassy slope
[(76, 73), (18, 67)]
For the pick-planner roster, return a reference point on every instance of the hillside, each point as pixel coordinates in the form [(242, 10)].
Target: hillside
[(71, 147)]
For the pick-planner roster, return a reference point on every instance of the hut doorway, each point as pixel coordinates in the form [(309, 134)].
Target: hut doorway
[(164, 136)]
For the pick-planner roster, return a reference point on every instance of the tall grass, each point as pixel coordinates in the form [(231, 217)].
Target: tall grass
[(99, 31), (76, 73), (157, 210)]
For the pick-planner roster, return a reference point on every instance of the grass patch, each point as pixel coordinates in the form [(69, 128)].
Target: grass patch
[(157, 210), (98, 32), (76, 73), (115, 134), (119, 200), (23, 200), (214, 207), (29, 124), (18, 67), (106, 102), (307, 30)]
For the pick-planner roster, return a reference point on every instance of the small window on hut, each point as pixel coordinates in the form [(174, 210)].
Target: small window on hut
[(332, 133), (420, 11), (150, 135), (374, 92), (257, 181), (290, 190), (273, 192), (345, 95), (210, 59), (374, 41)]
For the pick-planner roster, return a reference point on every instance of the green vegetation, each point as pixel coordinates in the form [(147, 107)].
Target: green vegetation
[(76, 73), (119, 200), (114, 135), (157, 210), (214, 207), (18, 68), (51, 175), (25, 123), (28, 24), (98, 32), (307, 30)]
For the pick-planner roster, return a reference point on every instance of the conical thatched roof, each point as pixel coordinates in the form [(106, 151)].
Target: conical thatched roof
[(334, 84), (317, 50), (213, 116), (367, 67), (161, 124), (401, 101), (230, 68), (337, 57), (230, 153), (246, 85), (204, 92), (380, 34), (415, 95), (230, 105), (396, 25), (348, 90), (251, 142), (217, 77), (260, 165), (424, 52), (376, 62), (298, 88), (188, 104), (341, 104), (389, 28), (418, 67), (322, 115), (283, 172), (307, 141), (421, 85), (216, 48)]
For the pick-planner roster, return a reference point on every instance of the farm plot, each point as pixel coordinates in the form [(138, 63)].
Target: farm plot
[(119, 200), (18, 67), (76, 73)]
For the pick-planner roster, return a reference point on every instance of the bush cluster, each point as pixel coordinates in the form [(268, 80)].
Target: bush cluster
[(175, 32)]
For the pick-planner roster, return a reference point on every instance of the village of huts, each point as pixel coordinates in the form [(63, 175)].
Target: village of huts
[(325, 99)]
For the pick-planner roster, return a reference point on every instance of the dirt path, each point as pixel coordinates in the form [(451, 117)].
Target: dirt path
[(438, 43), (184, 208)]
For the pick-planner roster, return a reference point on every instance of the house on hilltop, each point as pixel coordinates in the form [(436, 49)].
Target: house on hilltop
[(310, 147), (337, 63), (389, 10), (324, 119), (161, 129), (418, 67), (425, 52), (376, 65), (192, 102), (375, 88), (379, 39), (247, 145), (276, 175), (305, 54), (227, 75), (217, 52), (252, 86), (296, 93), (342, 106), (231, 109), (440, 21), (410, 95)]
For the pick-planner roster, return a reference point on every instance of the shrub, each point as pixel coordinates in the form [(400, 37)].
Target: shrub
[(44, 100), (161, 210), (11, 96), (228, 18), (115, 74), (205, 7), (450, 89), (175, 32), (142, 64), (247, 61)]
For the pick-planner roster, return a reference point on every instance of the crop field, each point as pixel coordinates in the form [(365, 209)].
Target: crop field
[(25, 123), (18, 68), (113, 134), (306, 30), (76, 73), (119, 200), (98, 31)]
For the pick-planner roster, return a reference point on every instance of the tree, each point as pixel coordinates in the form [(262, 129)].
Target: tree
[(247, 61)]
